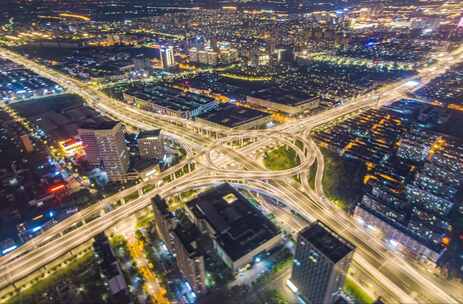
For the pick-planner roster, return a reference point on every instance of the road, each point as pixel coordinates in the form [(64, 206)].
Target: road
[(399, 278)]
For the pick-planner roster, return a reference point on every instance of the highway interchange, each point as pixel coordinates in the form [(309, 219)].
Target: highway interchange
[(395, 277)]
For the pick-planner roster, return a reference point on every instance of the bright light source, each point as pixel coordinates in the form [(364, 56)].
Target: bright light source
[(393, 243), (35, 229), (5, 251), (412, 83), (292, 286)]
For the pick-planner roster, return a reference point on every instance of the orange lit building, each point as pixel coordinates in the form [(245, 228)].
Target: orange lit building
[(72, 148)]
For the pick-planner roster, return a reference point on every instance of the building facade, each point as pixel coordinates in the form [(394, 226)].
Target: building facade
[(190, 259), (320, 264), (105, 147), (165, 221), (151, 144), (167, 57)]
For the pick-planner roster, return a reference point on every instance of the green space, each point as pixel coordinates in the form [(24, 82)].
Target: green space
[(313, 174), (274, 297), (132, 196), (343, 179), (281, 158), (79, 281), (361, 297), (148, 188)]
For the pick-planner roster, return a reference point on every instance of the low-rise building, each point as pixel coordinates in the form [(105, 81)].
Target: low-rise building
[(238, 230), (282, 100), (234, 117), (170, 101)]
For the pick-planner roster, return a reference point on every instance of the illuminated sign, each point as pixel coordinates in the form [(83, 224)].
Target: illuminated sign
[(72, 147), (56, 188)]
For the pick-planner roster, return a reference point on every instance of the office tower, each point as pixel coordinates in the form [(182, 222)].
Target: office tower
[(105, 147), (165, 221), (212, 4), (142, 63), (110, 270), (294, 8), (320, 264), (167, 57), (151, 144), (190, 260)]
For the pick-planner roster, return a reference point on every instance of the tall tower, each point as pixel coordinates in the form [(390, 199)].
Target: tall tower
[(212, 4), (165, 221), (294, 8), (320, 264), (167, 57), (105, 147), (190, 259)]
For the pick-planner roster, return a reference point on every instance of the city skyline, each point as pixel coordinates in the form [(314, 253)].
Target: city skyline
[(231, 151)]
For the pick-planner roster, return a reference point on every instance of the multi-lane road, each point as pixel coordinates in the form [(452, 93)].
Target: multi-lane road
[(400, 280)]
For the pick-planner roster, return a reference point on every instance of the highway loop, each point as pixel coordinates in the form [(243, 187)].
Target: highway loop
[(304, 152)]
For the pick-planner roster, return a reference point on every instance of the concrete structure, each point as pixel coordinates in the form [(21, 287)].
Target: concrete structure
[(320, 264), (110, 270), (167, 57), (170, 101), (105, 147), (165, 221), (190, 259), (281, 100), (239, 231), (230, 116), (151, 144)]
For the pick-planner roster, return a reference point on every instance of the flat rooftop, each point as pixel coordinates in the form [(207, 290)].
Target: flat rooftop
[(189, 235), (327, 242), (102, 125), (282, 96), (147, 134), (232, 116), (239, 226), (171, 98)]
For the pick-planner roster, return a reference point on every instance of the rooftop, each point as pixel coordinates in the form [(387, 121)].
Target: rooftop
[(189, 235), (239, 226), (326, 241), (102, 125), (149, 134), (232, 116), (282, 96), (171, 98)]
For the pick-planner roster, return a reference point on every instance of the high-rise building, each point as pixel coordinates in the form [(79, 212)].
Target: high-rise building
[(320, 264), (167, 57), (212, 4), (105, 147), (294, 8), (151, 144), (110, 270), (165, 221), (190, 260)]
